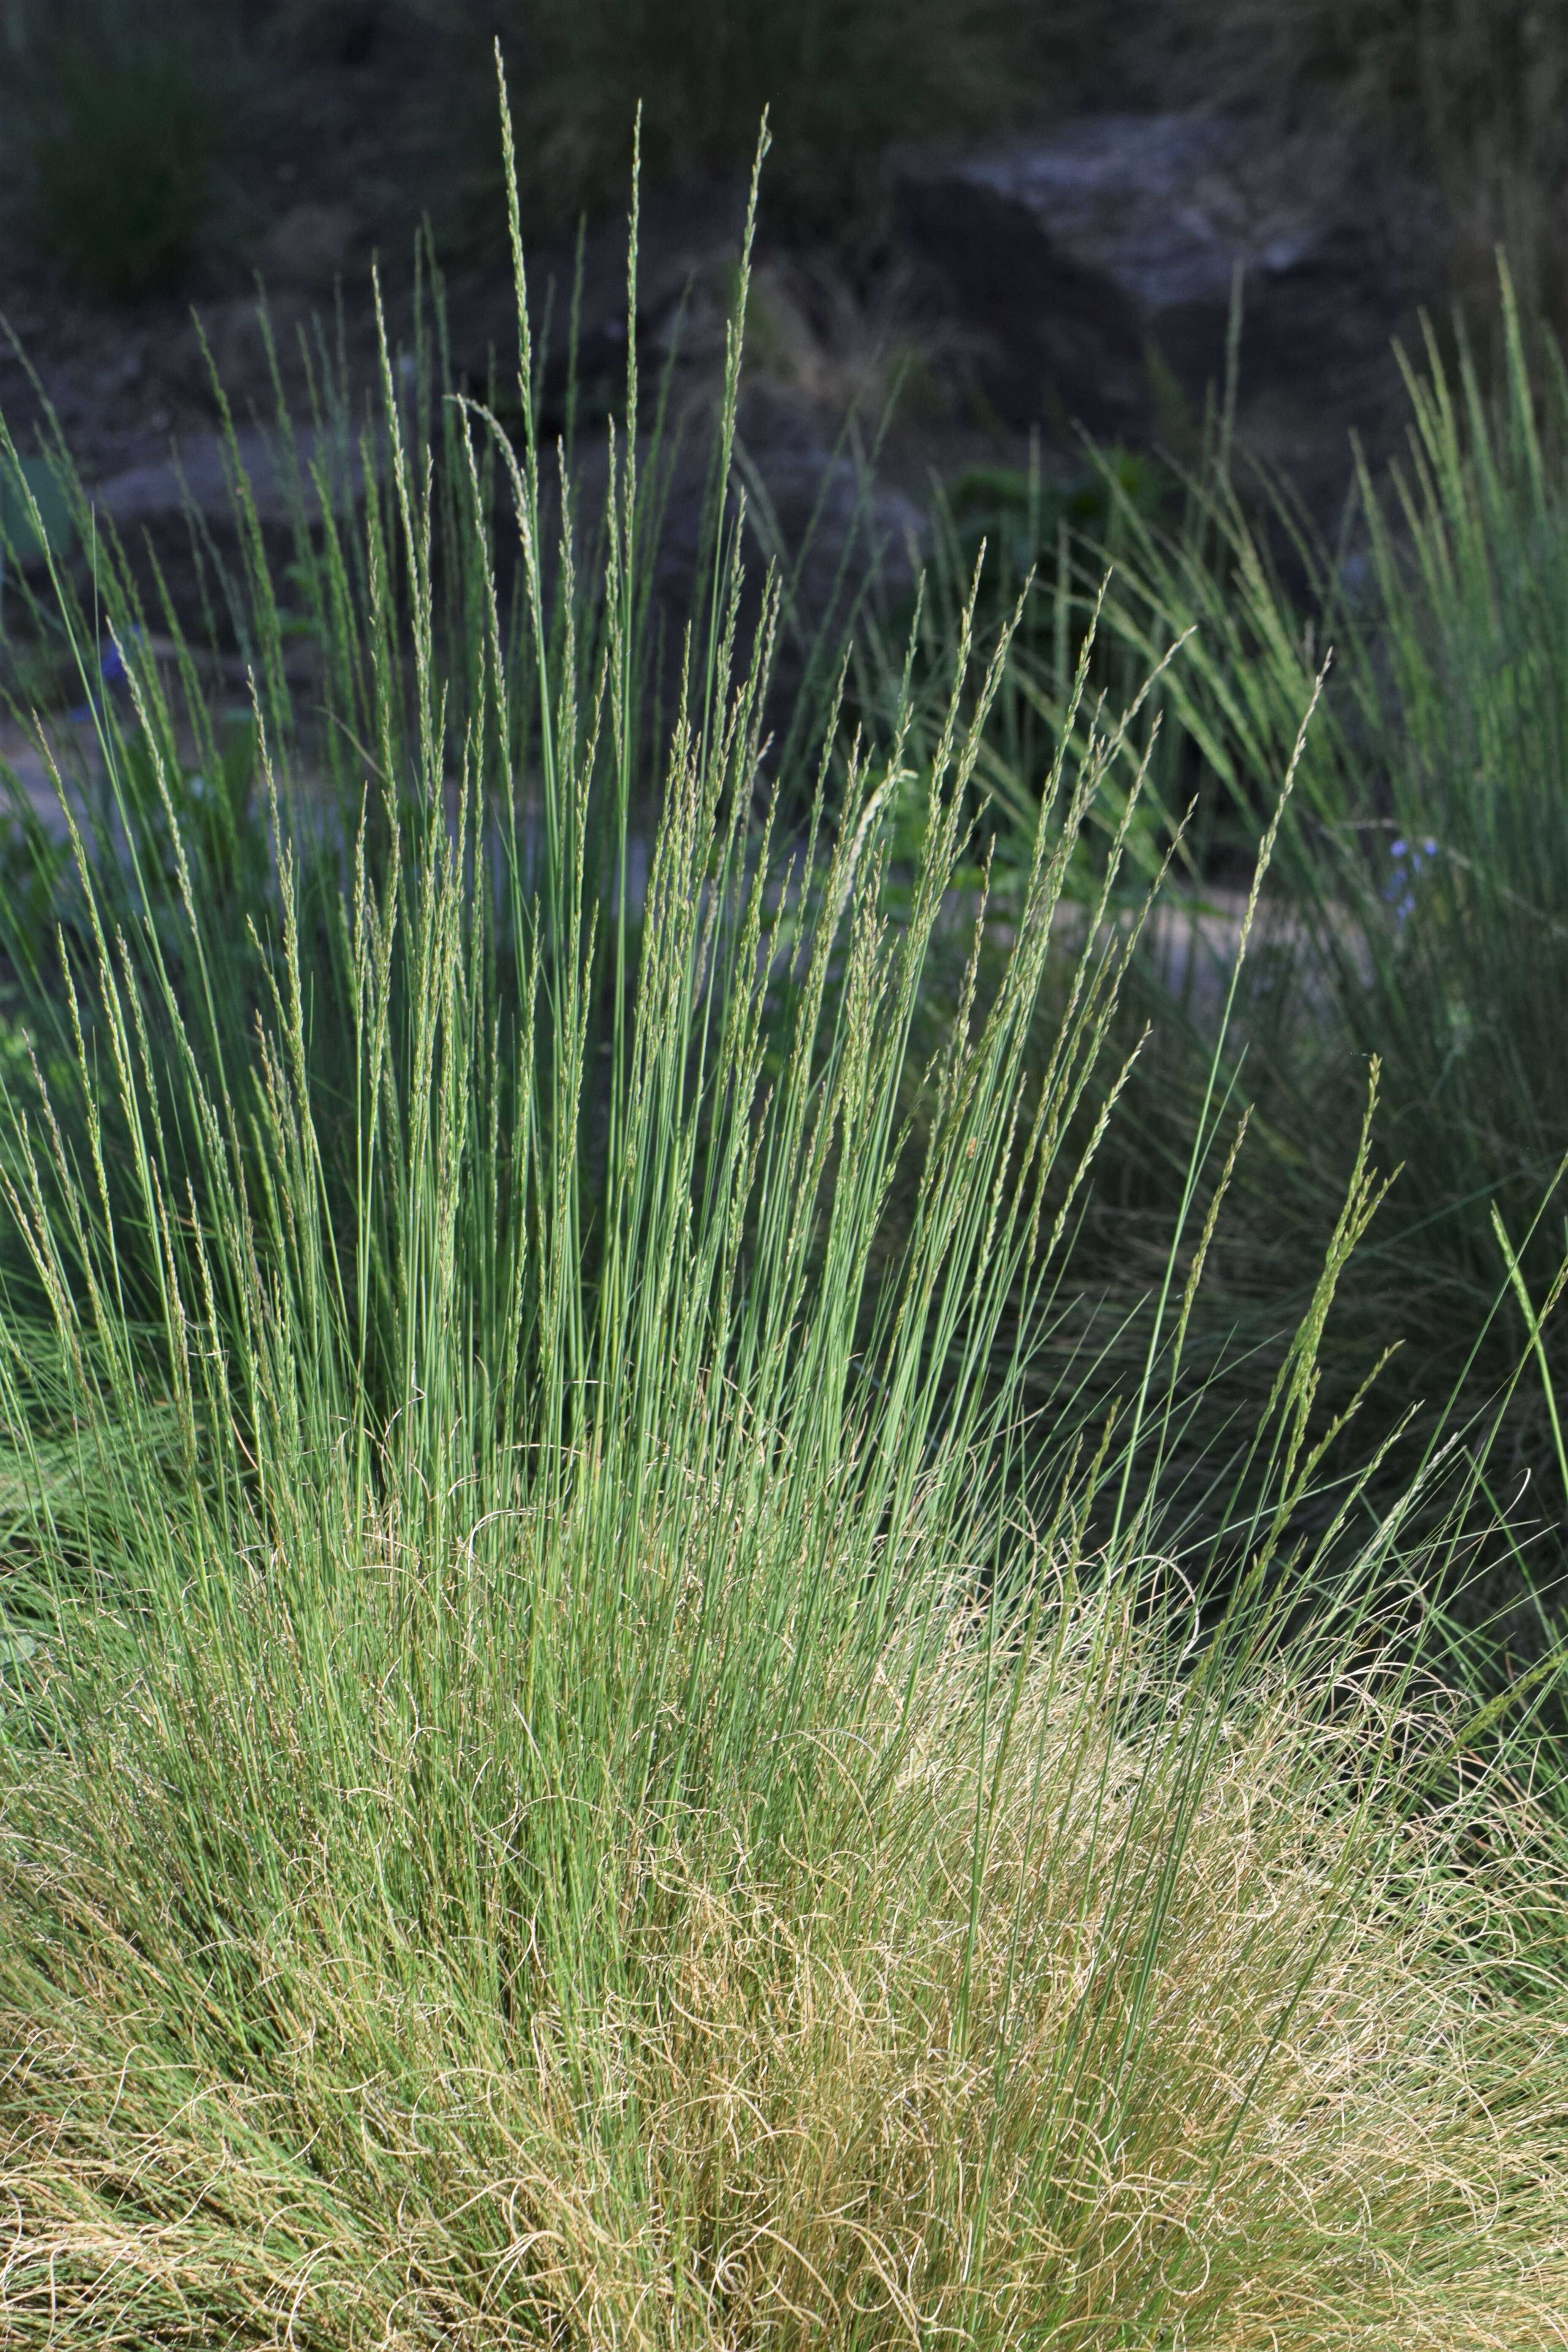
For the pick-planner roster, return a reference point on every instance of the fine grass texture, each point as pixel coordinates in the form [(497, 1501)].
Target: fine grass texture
[(1068, 1998), (573, 1773)]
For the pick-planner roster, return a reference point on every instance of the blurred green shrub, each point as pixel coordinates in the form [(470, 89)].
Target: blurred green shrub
[(1020, 516), (121, 112)]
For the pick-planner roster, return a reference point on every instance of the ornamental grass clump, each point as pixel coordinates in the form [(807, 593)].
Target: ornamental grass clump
[(590, 1766)]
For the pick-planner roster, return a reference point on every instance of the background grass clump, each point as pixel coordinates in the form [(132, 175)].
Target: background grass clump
[(1474, 84), (1419, 871), (1410, 919), (118, 117), (841, 81)]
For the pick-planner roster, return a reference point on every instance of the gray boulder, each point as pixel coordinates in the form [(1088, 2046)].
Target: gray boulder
[(1092, 265)]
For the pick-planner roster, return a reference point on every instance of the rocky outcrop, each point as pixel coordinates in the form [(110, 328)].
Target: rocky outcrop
[(1095, 266)]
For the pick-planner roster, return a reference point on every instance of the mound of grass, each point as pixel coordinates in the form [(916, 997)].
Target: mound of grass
[(588, 1757), (355, 1989)]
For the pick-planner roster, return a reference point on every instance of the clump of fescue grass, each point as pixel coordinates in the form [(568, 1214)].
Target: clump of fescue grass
[(576, 1774)]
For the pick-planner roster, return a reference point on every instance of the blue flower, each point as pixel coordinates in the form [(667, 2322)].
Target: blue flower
[(111, 669)]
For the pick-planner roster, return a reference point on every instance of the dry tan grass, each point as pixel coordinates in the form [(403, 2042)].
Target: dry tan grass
[(1084, 2018)]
